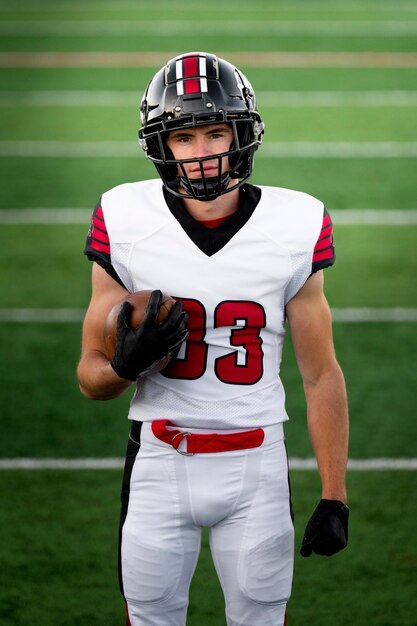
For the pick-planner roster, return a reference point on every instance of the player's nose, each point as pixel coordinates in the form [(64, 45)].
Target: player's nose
[(201, 147)]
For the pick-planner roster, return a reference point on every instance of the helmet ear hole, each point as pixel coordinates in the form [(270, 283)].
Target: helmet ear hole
[(244, 136)]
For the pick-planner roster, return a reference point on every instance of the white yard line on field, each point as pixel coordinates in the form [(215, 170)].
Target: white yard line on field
[(360, 464), (270, 150), (347, 315), (231, 28), (241, 59), (339, 149), (48, 316), (71, 464), (118, 463), (372, 217), (340, 217), (375, 98), (355, 315), (47, 216)]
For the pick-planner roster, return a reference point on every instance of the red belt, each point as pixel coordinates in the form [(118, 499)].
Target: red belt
[(210, 442)]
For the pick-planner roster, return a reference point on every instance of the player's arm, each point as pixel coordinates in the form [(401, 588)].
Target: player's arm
[(96, 377), (138, 351), (311, 329), (327, 411)]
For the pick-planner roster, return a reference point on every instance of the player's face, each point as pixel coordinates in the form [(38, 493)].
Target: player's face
[(191, 143)]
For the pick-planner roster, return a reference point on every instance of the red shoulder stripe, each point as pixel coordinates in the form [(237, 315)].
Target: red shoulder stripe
[(324, 248), (326, 231), (99, 235), (99, 213), (100, 247), (98, 223), (98, 238), (321, 255), (326, 242), (98, 227), (326, 220)]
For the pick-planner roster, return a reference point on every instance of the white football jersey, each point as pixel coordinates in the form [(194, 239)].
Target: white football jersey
[(226, 375)]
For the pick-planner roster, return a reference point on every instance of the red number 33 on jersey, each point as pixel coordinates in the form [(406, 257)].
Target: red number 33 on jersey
[(235, 368)]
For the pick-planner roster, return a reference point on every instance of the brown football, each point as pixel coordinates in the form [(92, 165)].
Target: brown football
[(139, 301)]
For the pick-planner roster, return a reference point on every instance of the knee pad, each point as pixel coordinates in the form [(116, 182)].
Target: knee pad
[(266, 569)]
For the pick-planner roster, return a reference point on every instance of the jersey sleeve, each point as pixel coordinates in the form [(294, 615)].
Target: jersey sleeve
[(324, 253), (97, 247)]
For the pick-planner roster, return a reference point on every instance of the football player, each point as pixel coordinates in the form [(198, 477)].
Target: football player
[(206, 446)]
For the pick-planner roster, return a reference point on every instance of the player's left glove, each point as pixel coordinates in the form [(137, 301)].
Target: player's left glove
[(327, 530)]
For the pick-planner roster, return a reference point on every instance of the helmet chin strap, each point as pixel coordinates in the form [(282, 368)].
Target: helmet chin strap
[(205, 188)]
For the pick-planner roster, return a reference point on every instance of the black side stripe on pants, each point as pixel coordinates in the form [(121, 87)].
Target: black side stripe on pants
[(289, 482), (133, 446)]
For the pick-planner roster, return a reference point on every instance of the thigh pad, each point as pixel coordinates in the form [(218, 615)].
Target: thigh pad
[(265, 569)]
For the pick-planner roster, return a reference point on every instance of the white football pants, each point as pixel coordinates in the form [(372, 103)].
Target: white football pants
[(241, 496)]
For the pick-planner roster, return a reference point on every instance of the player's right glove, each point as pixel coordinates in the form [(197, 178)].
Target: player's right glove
[(327, 530), (139, 351)]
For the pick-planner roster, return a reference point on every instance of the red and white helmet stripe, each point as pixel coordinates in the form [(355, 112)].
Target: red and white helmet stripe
[(191, 75)]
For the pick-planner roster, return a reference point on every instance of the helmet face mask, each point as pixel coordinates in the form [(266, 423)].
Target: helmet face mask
[(197, 90)]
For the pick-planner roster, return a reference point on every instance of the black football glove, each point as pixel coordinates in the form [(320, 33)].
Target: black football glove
[(327, 530), (139, 351)]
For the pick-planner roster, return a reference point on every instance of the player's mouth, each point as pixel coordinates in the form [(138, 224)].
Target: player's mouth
[(207, 171)]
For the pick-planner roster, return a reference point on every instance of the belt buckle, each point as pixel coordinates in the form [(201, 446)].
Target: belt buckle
[(177, 449)]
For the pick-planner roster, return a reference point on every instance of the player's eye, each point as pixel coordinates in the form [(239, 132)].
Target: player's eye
[(221, 133), (183, 139)]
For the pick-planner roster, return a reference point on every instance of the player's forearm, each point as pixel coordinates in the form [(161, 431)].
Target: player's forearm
[(328, 425), (97, 379)]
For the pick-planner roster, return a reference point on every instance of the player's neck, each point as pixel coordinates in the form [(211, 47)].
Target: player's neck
[(213, 209)]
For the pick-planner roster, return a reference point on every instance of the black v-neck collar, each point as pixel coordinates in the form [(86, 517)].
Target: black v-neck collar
[(211, 240)]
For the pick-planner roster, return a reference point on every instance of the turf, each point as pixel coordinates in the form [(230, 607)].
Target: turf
[(44, 414), (383, 10), (375, 266), (282, 123), (62, 543), (340, 183), (281, 79), (375, 10), (54, 420), (216, 42), (54, 255), (379, 401)]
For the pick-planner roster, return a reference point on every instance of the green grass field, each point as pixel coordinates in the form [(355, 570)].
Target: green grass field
[(59, 527)]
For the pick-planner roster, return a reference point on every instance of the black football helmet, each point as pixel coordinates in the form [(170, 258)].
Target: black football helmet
[(197, 89)]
